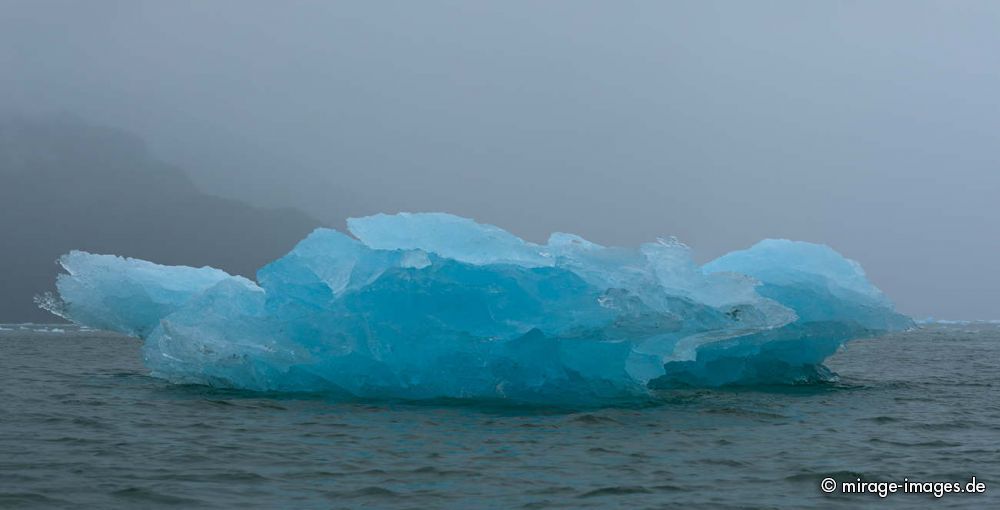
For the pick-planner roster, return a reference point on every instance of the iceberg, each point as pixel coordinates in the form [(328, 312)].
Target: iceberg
[(431, 305)]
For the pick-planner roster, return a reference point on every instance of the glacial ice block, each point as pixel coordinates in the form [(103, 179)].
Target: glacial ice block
[(815, 281), (421, 306), (448, 236), (125, 294)]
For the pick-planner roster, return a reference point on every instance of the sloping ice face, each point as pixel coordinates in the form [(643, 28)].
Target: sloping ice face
[(422, 306)]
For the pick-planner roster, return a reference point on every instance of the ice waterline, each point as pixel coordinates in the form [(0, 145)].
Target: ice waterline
[(432, 305)]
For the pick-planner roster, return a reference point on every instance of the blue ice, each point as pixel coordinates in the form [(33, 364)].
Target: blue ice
[(431, 305)]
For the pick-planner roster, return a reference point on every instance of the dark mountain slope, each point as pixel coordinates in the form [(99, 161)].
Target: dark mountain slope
[(68, 185)]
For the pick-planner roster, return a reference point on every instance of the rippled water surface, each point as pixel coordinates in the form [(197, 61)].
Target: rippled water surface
[(82, 425)]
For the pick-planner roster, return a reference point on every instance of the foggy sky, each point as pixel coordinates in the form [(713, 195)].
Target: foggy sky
[(869, 126)]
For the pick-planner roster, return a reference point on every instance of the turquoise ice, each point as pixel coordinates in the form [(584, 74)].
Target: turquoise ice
[(423, 306)]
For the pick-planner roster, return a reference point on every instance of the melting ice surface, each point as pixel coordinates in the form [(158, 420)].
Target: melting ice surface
[(420, 306)]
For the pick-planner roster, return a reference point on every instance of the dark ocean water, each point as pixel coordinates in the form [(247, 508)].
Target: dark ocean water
[(83, 426)]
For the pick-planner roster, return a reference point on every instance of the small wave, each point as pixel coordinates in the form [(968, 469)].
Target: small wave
[(26, 499), (618, 490), (593, 419), (144, 495), (919, 444)]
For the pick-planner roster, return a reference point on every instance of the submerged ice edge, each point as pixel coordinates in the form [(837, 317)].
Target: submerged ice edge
[(424, 306)]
